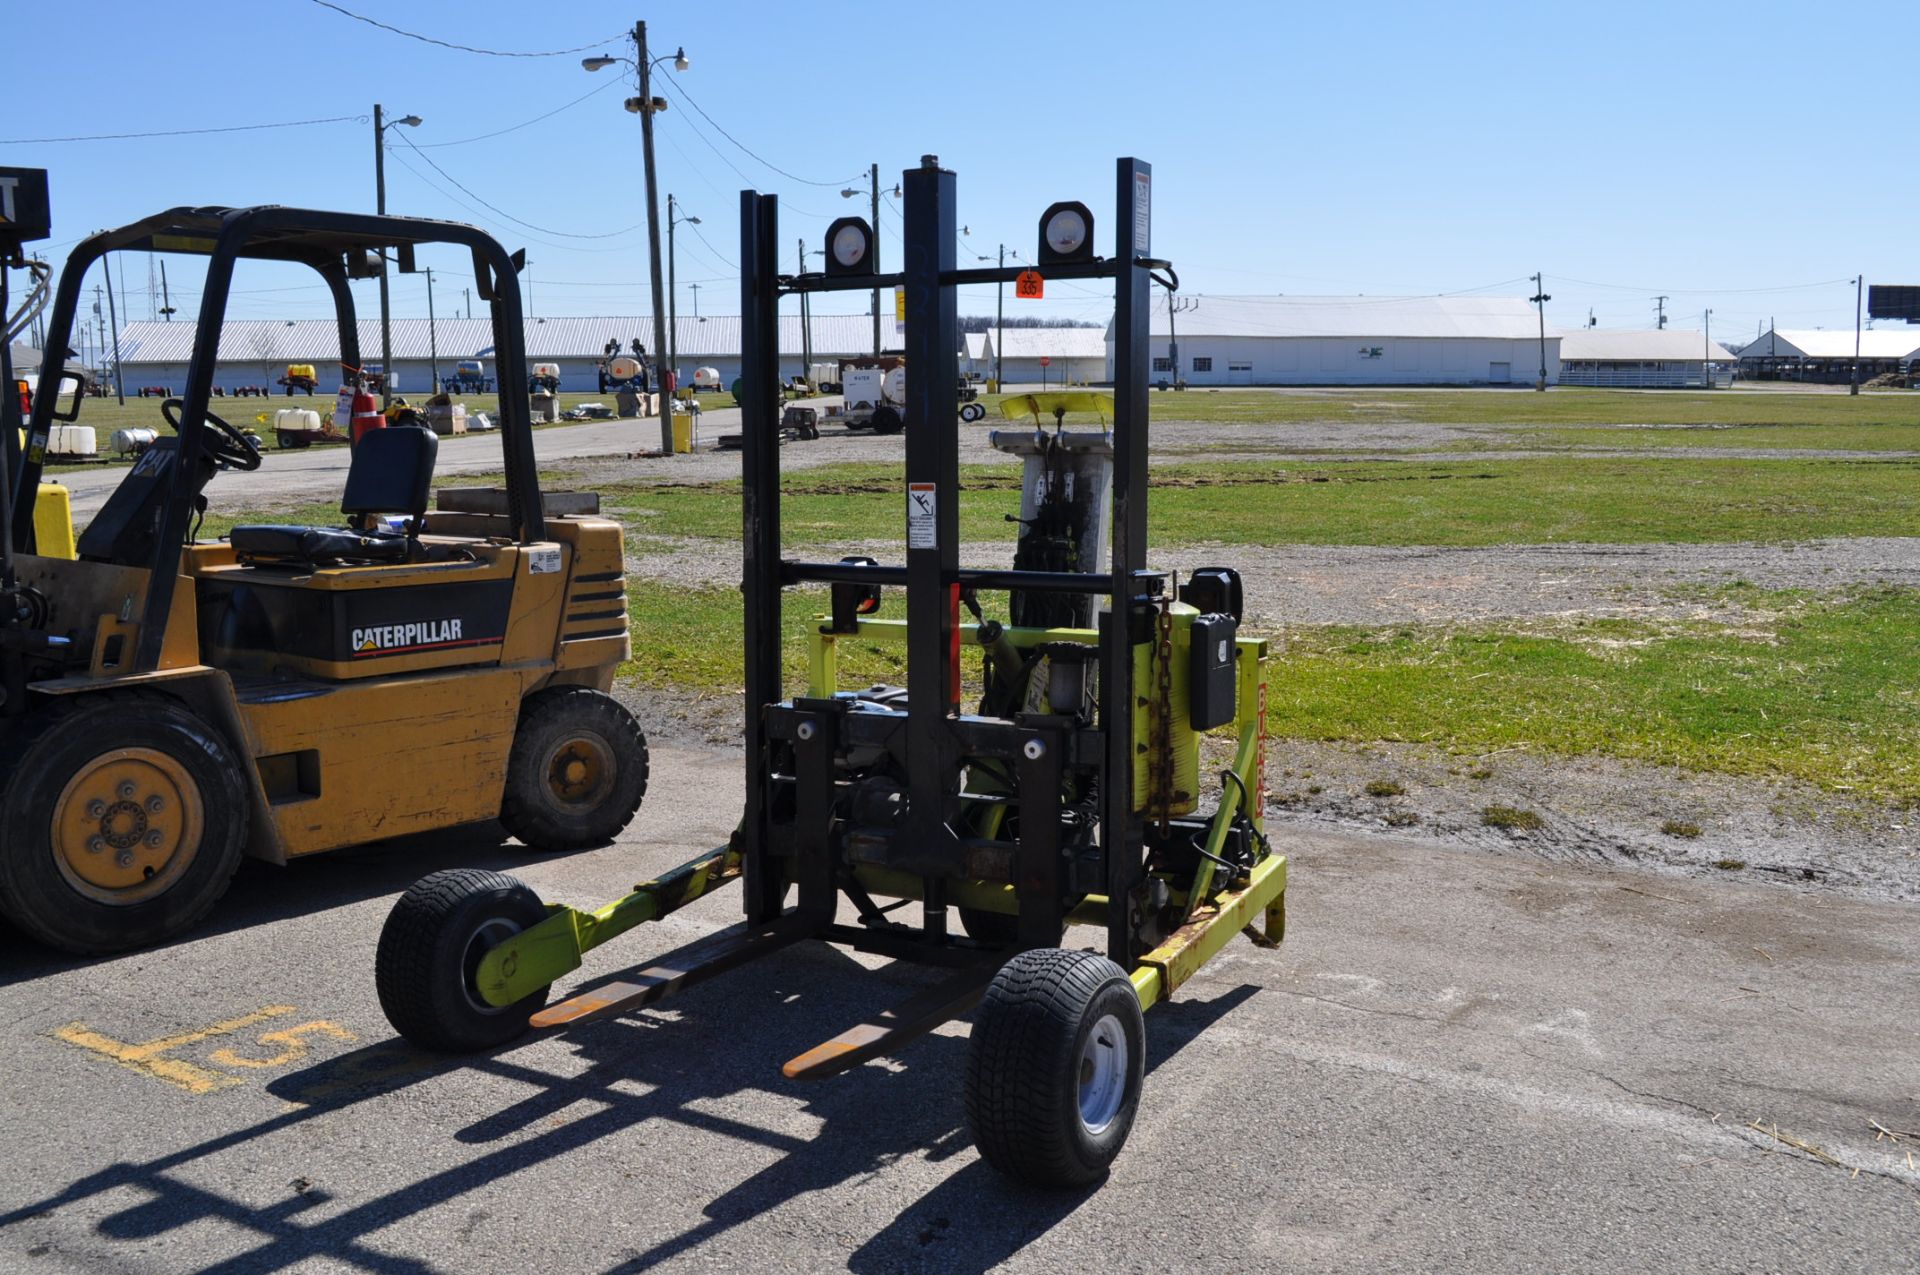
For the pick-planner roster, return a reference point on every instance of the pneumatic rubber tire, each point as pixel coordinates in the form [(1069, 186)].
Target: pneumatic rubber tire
[(886, 420), (430, 948), (1055, 1067), (559, 729), (58, 880)]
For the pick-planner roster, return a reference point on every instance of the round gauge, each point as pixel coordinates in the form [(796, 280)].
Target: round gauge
[(1066, 231), (849, 246)]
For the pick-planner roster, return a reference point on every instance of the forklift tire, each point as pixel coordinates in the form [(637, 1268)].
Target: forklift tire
[(125, 817), (972, 412), (885, 420), (430, 949), (1055, 1067), (577, 772)]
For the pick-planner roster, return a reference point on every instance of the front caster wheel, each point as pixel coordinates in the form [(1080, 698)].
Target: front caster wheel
[(1055, 1067), (429, 954)]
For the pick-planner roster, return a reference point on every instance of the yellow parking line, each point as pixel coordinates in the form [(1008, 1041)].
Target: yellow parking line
[(147, 1056)]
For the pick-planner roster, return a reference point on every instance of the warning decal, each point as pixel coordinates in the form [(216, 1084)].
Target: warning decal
[(922, 531)]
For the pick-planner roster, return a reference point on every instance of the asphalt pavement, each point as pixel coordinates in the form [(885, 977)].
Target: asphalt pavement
[(1458, 1060)]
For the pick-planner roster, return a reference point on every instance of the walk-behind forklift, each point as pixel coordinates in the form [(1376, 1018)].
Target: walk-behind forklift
[(1074, 794), (169, 704)]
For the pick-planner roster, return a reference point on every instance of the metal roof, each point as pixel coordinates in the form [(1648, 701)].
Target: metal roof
[(1834, 343), (1282, 316), (976, 346), (317, 340), (1052, 343), (1646, 345)]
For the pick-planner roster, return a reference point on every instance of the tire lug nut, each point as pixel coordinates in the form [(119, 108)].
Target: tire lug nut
[(96, 809), (126, 790), (124, 858), (96, 844), (155, 837), (156, 804)]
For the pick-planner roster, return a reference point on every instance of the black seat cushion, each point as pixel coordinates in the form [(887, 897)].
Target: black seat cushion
[(392, 472), (315, 545)]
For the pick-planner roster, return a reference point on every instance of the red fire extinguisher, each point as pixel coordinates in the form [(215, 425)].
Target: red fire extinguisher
[(366, 414)]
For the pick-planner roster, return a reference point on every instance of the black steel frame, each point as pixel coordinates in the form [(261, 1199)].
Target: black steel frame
[(339, 246), (787, 833)]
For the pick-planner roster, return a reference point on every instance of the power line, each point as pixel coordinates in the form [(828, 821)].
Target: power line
[(183, 132), (601, 88), (681, 91), (463, 48), (401, 160), (545, 230)]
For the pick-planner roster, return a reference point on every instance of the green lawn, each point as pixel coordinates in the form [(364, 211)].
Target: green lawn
[(1818, 689), (1525, 501), (1823, 691), (1525, 407)]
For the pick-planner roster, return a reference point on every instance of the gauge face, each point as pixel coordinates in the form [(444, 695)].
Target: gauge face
[(1066, 232), (849, 246)]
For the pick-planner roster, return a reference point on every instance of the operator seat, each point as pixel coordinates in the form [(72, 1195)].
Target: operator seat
[(391, 473)]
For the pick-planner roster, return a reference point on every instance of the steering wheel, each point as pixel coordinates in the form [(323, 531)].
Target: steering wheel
[(229, 448)]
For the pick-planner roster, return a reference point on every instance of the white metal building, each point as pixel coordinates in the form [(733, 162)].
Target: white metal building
[(257, 352), (1075, 356), (1284, 340), (974, 360), (1826, 355), (1656, 358)]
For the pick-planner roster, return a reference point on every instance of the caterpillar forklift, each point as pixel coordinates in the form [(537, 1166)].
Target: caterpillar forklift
[(965, 832), (169, 704)]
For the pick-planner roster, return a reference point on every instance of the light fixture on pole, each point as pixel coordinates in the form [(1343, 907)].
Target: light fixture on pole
[(673, 294), (433, 345), (646, 106), (1853, 377), (1540, 299), (380, 127), (1706, 348)]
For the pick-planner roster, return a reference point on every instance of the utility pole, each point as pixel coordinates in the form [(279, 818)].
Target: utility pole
[(166, 302), (806, 315), (113, 316), (1859, 282), (1540, 299), (645, 63), (673, 289), (1000, 324), (1706, 349), (468, 293), (380, 206), (876, 258), (1660, 309), (433, 346)]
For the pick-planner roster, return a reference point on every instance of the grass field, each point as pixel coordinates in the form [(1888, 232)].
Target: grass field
[(1525, 407), (1528, 501)]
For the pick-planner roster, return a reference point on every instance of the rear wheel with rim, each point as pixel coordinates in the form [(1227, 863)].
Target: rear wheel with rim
[(1055, 1067), (124, 818), (577, 772)]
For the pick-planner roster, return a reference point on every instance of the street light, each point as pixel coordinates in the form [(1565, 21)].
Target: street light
[(646, 106), (673, 292), (1540, 299), (873, 188), (999, 310), (380, 127)]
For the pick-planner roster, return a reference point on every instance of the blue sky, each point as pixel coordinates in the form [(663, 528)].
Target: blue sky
[(1747, 158)]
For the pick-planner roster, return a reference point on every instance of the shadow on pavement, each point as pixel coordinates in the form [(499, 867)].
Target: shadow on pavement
[(683, 1068), (262, 893)]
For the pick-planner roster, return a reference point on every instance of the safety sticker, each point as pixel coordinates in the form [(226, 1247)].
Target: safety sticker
[(543, 561), (922, 532)]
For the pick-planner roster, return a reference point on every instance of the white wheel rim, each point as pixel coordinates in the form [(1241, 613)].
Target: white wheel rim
[(1103, 1074)]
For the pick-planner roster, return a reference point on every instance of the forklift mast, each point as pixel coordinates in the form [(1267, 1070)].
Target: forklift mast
[(340, 247), (934, 739)]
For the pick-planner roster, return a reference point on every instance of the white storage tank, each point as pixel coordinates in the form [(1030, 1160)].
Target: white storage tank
[(290, 418), (82, 441), (131, 442), (706, 378)]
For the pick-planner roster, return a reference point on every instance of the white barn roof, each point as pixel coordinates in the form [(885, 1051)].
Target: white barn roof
[(1052, 343), (317, 340), (1834, 343), (976, 346), (1283, 316), (1647, 345)]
